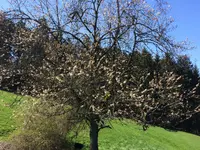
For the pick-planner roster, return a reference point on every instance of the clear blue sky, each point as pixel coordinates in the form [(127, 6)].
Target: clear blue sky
[(187, 18)]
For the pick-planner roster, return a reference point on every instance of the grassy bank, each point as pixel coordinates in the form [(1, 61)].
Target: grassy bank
[(125, 135), (8, 102)]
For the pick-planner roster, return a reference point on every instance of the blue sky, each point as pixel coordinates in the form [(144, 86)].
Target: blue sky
[(3, 4), (187, 18), (186, 14)]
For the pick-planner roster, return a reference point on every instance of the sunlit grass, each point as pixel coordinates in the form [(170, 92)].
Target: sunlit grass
[(125, 135), (8, 102)]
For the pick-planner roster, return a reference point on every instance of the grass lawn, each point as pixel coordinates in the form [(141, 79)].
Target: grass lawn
[(125, 135), (7, 106)]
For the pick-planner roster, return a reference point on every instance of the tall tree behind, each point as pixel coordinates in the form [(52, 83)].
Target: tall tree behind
[(112, 27)]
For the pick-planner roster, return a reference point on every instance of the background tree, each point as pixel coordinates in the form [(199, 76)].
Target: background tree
[(8, 76)]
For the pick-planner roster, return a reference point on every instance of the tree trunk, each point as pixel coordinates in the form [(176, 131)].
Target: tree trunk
[(93, 135)]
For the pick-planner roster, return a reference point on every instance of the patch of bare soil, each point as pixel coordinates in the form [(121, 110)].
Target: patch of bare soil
[(4, 146)]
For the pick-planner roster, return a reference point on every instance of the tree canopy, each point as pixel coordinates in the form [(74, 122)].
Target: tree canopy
[(86, 55)]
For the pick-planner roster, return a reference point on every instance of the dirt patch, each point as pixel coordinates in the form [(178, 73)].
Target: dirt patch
[(4, 146)]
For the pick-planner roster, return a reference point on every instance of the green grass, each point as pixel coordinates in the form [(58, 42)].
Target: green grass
[(7, 106), (125, 135)]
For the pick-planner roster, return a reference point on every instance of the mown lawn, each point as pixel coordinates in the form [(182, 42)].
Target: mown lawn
[(8, 102), (125, 135)]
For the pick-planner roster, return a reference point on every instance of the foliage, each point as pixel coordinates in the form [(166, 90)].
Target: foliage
[(39, 127), (80, 54), (6, 30)]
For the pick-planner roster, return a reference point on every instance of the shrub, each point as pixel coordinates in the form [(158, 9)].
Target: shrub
[(43, 125)]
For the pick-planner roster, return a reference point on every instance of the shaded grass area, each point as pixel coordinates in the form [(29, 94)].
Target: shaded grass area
[(127, 135), (8, 103), (124, 135)]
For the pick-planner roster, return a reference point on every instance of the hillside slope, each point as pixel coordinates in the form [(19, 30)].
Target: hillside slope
[(125, 135), (8, 103)]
